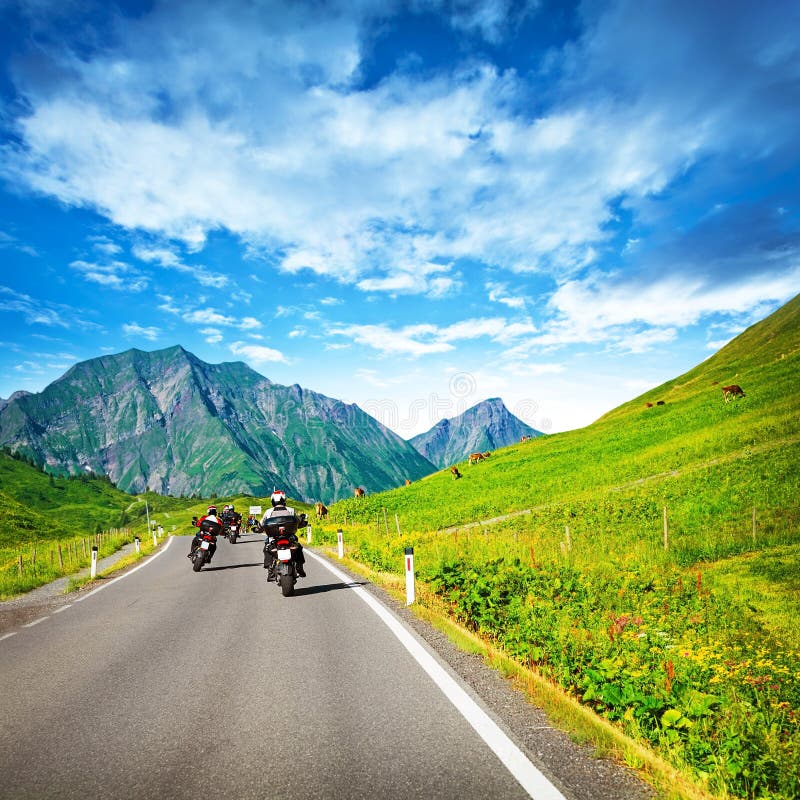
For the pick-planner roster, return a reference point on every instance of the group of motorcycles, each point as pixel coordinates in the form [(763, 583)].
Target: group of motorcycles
[(281, 543)]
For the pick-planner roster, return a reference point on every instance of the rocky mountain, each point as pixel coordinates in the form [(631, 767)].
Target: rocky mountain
[(172, 422), (14, 396), (486, 426)]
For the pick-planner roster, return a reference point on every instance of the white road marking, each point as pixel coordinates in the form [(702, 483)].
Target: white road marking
[(127, 574), (517, 763), (7, 636), (35, 622), (63, 608)]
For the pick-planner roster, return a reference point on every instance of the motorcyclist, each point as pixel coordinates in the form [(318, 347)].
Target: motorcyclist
[(209, 523), (231, 517), (281, 511)]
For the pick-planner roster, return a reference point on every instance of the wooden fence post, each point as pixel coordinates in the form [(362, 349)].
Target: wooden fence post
[(397, 523), (666, 535), (60, 558), (19, 564), (385, 522)]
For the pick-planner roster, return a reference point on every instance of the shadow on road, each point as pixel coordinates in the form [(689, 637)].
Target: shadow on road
[(326, 587), (233, 566)]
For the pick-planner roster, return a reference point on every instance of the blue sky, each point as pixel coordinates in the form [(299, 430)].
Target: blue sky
[(413, 206)]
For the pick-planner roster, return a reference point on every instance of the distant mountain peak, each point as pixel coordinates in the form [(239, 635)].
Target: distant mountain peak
[(485, 426)]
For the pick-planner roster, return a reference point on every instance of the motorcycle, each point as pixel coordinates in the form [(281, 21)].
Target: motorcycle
[(207, 544), (233, 532), (281, 545), (202, 553)]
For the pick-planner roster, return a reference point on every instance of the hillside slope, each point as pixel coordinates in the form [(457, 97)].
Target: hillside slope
[(169, 421), (742, 454), (485, 426)]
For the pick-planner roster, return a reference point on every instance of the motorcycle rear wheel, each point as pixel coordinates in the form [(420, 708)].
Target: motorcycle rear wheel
[(287, 585), (199, 560)]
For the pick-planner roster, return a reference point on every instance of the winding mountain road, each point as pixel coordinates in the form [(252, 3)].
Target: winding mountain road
[(169, 683)]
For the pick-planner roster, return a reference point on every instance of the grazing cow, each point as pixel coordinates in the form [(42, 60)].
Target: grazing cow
[(486, 454), (648, 405), (659, 402), (321, 510), (359, 492), (731, 391), (525, 438), (408, 482), (474, 458), (455, 472)]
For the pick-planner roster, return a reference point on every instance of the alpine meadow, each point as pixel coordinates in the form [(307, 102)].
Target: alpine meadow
[(646, 564)]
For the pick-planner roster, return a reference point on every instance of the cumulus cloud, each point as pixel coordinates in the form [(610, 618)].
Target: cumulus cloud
[(149, 332), (447, 166), (271, 135), (257, 354)]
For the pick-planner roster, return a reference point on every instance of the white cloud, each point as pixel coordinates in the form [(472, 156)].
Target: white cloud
[(426, 338), (258, 354), (213, 335), (146, 332), (402, 173), (498, 293), (42, 312), (113, 275), (168, 259), (212, 317)]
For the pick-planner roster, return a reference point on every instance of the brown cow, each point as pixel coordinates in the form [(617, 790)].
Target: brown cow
[(456, 474), (474, 458), (321, 510), (359, 492), (648, 405), (486, 454), (408, 482), (731, 391)]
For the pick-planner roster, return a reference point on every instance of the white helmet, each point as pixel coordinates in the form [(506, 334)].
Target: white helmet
[(278, 498)]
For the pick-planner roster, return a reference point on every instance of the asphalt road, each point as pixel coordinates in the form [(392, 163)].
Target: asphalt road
[(171, 684)]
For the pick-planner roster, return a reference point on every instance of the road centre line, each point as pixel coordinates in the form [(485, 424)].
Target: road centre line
[(130, 572), (517, 763)]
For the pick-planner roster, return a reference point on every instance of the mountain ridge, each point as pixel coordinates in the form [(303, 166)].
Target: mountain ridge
[(167, 420)]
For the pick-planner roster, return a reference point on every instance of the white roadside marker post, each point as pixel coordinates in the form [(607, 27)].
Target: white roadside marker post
[(340, 542), (93, 572), (137, 544), (308, 535), (155, 538), (409, 576)]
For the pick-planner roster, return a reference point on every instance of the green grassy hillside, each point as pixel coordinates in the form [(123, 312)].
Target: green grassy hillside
[(709, 462), (649, 563)]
